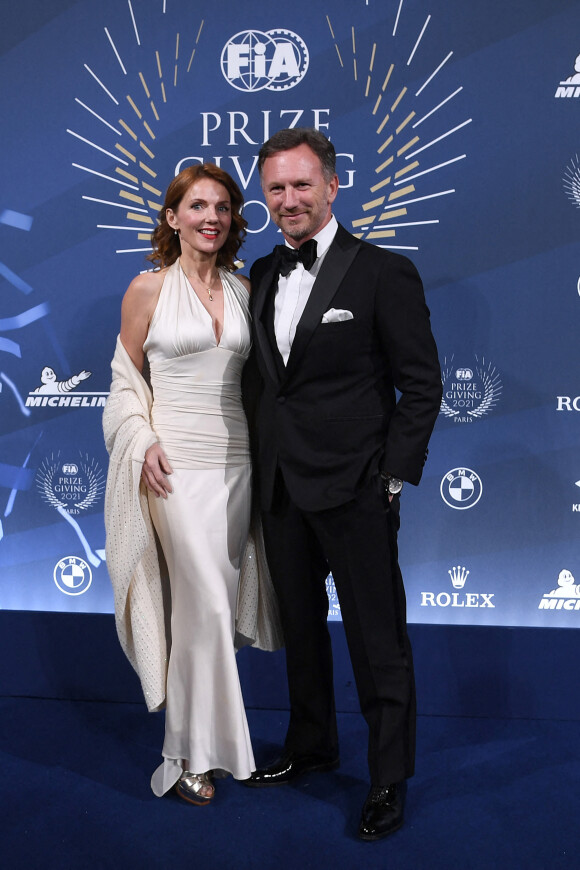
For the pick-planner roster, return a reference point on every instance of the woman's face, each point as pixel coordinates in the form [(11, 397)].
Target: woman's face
[(203, 217)]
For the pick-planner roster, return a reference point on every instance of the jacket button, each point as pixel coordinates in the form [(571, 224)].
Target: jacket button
[(281, 399)]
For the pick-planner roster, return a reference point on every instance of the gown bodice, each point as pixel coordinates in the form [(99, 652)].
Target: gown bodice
[(197, 409)]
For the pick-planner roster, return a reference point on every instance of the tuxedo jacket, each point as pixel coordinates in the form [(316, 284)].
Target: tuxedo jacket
[(357, 396)]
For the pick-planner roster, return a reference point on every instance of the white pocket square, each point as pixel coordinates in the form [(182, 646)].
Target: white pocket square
[(335, 315)]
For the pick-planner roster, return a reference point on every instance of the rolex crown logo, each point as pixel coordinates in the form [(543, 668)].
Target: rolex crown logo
[(458, 576)]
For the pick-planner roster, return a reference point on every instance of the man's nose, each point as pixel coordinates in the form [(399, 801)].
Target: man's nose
[(290, 197)]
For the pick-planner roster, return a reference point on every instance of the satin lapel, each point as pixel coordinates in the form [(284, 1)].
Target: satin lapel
[(265, 287), (336, 264)]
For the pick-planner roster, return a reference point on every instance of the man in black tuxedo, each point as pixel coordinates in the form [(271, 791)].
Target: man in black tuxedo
[(339, 324)]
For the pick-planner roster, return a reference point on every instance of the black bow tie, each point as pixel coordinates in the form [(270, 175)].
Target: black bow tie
[(287, 258)]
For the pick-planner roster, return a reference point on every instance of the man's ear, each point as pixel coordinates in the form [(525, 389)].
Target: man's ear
[(333, 189)]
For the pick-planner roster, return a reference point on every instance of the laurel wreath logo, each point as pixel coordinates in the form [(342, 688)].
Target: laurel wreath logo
[(492, 389), (94, 484)]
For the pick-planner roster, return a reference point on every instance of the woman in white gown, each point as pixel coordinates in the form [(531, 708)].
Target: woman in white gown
[(190, 319)]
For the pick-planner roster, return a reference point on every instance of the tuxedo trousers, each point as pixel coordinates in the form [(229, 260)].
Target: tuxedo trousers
[(357, 541)]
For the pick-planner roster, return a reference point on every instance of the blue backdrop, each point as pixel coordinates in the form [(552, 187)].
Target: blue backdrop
[(458, 140)]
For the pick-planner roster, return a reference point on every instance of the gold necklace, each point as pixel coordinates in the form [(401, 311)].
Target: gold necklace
[(208, 289)]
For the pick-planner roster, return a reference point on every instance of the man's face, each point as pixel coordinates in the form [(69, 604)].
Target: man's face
[(297, 195)]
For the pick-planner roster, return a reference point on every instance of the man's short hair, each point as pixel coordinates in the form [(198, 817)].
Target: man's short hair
[(284, 140)]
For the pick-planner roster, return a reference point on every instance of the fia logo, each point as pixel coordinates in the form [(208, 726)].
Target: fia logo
[(70, 486), (276, 60), (469, 393)]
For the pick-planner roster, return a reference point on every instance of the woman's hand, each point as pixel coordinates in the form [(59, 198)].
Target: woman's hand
[(155, 470)]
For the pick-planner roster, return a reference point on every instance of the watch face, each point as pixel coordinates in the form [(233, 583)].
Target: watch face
[(395, 486)]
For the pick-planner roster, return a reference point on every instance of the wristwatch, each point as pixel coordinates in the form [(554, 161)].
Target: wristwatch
[(393, 485)]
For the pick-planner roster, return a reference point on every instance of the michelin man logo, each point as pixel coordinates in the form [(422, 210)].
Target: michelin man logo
[(570, 87), (63, 394), (566, 596), (49, 383), (276, 60), (567, 587)]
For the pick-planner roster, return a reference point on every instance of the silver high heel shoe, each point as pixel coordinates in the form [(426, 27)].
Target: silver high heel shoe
[(189, 786)]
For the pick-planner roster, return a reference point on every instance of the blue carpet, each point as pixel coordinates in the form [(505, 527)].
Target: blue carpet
[(488, 793)]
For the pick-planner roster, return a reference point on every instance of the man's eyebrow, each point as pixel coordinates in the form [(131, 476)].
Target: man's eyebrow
[(294, 181)]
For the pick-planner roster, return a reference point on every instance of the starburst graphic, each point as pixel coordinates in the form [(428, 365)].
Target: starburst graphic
[(133, 119), (402, 148), (133, 90), (572, 181)]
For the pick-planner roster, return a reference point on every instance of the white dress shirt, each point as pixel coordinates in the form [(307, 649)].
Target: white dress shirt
[(294, 291)]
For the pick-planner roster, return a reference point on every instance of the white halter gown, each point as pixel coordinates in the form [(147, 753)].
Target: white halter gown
[(203, 525)]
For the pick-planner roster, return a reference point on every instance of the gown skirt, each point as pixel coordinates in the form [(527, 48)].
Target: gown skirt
[(203, 524)]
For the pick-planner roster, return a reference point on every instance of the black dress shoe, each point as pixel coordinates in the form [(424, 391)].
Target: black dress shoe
[(383, 811), (288, 768)]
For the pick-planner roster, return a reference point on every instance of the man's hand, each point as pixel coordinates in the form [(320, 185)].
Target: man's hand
[(155, 470)]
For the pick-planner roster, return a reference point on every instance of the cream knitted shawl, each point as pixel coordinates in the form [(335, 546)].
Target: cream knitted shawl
[(131, 548)]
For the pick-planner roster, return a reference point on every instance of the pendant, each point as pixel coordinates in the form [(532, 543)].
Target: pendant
[(209, 294)]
